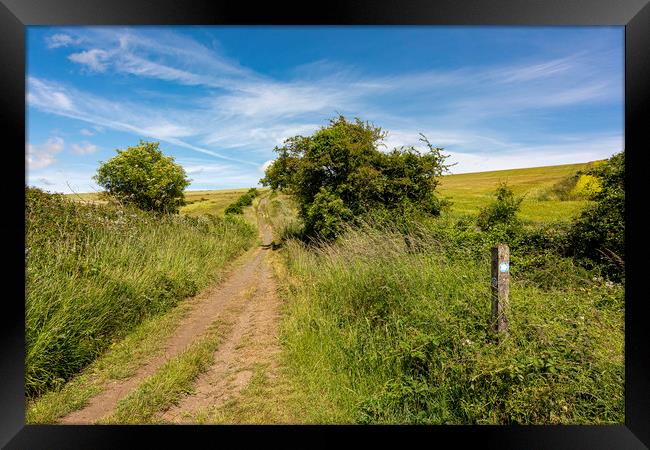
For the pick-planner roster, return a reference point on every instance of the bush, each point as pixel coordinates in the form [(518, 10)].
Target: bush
[(327, 215), (579, 186), (339, 174), (144, 177), (237, 207), (598, 234), (502, 212)]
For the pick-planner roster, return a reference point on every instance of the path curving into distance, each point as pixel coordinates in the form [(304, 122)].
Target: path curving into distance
[(247, 307)]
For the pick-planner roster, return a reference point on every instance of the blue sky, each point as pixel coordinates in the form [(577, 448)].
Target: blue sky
[(219, 99)]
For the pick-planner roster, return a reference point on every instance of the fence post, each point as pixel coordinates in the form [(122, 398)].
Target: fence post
[(500, 287)]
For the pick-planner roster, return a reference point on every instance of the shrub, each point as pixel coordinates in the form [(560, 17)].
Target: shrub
[(579, 186), (502, 212), (237, 207), (598, 234), (339, 174), (327, 215), (144, 177), (586, 186)]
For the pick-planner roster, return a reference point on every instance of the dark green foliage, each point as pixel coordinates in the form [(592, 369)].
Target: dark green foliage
[(327, 215), (502, 212), (144, 177), (339, 174), (237, 207), (598, 234)]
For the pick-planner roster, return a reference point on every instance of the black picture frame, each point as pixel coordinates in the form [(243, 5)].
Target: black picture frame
[(15, 15)]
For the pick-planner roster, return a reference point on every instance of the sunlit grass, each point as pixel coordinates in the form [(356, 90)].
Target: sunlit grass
[(471, 191), (377, 334), (94, 272), (211, 202)]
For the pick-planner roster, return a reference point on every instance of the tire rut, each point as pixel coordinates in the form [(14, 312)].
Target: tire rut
[(227, 302)]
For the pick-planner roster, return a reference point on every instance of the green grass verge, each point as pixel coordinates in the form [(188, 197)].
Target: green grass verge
[(120, 361), (377, 333), (94, 272)]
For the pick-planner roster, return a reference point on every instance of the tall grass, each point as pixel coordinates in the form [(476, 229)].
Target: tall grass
[(93, 272), (383, 329)]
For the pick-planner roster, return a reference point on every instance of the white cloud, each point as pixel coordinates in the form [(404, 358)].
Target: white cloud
[(141, 121), (168, 130), (86, 132), (95, 59), (48, 96), (563, 151), (84, 148), (41, 156), (68, 178), (237, 115), (60, 40), (533, 71)]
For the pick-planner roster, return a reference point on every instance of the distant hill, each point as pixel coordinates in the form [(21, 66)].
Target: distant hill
[(470, 191), (467, 191)]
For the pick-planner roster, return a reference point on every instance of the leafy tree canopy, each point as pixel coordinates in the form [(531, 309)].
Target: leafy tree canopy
[(598, 234), (143, 176), (339, 173)]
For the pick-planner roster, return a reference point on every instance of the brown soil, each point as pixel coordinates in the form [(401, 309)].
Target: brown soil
[(247, 308)]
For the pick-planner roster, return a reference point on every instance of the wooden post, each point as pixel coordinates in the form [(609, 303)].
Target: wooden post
[(500, 287)]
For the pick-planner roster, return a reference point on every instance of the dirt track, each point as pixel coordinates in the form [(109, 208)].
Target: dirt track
[(247, 309)]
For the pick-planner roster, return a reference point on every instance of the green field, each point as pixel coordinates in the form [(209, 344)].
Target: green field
[(468, 192), (210, 202), (198, 203)]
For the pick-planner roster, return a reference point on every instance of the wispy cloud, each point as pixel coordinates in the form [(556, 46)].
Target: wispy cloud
[(68, 178), (84, 148), (234, 114), (122, 116), (43, 155), (588, 148), (61, 40), (94, 59)]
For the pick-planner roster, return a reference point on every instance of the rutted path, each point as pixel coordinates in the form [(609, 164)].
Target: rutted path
[(247, 308)]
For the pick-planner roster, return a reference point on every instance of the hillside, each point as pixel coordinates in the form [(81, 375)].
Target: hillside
[(469, 191)]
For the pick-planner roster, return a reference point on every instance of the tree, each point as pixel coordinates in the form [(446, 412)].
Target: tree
[(143, 176), (339, 174), (598, 234)]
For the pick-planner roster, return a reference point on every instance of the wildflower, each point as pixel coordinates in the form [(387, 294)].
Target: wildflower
[(609, 284)]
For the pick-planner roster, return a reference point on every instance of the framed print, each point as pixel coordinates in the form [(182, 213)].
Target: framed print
[(366, 218)]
